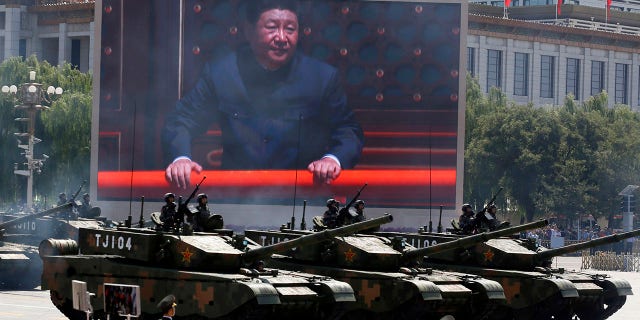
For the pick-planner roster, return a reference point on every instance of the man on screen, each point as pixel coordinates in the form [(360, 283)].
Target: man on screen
[(277, 108)]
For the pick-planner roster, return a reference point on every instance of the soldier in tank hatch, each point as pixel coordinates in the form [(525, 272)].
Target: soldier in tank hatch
[(330, 217), (168, 212)]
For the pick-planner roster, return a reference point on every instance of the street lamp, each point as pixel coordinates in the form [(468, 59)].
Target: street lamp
[(30, 96)]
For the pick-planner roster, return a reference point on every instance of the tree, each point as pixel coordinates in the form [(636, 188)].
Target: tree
[(64, 128), (565, 159)]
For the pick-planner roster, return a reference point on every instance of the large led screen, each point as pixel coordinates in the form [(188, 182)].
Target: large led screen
[(310, 102)]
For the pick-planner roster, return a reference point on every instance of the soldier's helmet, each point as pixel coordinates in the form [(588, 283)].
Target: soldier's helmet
[(169, 195), (491, 206), (62, 195), (85, 196), (202, 196), (333, 202), (465, 207), (359, 202)]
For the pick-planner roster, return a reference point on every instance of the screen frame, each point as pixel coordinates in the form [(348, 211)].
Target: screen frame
[(407, 222)]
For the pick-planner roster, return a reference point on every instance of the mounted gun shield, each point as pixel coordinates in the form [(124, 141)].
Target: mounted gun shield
[(224, 272), (384, 286), (344, 215)]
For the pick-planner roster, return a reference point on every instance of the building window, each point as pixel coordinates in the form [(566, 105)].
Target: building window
[(622, 71), (494, 69), (471, 61), (597, 77), (521, 74), (3, 16), (573, 77), (75, 53), (547, 73), (22, 48)]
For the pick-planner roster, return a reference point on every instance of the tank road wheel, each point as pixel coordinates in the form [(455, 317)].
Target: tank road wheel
[(612, 305), (359, 315), (554, 307), (601, 309), (249, 311)]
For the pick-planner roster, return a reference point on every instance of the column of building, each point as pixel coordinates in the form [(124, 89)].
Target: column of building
[(535, 74), (586, 74), (634, 75), (12, 30), (64, 44), (482, 62), (610, 79), (508, 71)]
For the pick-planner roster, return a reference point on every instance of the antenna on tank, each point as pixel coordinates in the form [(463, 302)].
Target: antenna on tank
[(292, 226), (430, 190), (133, 155)]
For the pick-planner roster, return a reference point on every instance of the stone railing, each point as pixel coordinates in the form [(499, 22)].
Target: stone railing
[(592, 25), (610, 261), (61, 2)]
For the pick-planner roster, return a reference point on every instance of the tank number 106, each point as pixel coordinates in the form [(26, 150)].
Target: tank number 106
[(113, 242)]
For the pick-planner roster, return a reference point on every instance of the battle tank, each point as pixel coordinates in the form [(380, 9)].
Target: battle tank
[(533, 289), (20, 266), (386, 278), (212, 275)]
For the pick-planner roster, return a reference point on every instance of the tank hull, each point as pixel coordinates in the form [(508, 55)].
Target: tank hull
[(384, 287), (200, 295), (20, 265), (427, 294), (532, 292)]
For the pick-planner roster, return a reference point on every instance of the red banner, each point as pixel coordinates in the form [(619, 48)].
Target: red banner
[(558, 5)]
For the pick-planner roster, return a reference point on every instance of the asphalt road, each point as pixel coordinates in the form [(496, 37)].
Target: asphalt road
[(19, 305)]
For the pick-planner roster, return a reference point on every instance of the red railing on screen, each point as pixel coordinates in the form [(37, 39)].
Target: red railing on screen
[(405, 187)]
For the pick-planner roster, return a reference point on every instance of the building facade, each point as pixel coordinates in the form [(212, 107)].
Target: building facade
[(534, 56), (545, 60), (55, 31)]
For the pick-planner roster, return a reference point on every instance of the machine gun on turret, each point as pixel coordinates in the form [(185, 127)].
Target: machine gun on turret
[(75, 195), (486, 220), (344, 215), (183, 206)]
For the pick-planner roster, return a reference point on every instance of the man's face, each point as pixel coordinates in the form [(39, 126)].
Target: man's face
[(274, 38)]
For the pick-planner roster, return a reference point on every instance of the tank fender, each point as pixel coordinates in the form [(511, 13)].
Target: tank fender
[(264, 292), (341, 291), (566, 288), (615, 287), (492, 289), (428, 289)]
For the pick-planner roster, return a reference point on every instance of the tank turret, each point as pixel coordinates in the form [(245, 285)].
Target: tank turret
[(385, 286), (215, 274), (519, 254), (20, 266), (22, 218), (471, 240)]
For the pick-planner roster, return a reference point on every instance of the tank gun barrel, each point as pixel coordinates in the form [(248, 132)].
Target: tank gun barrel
[(587, 244), (471, 240), (58, 209), (266, 251)]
